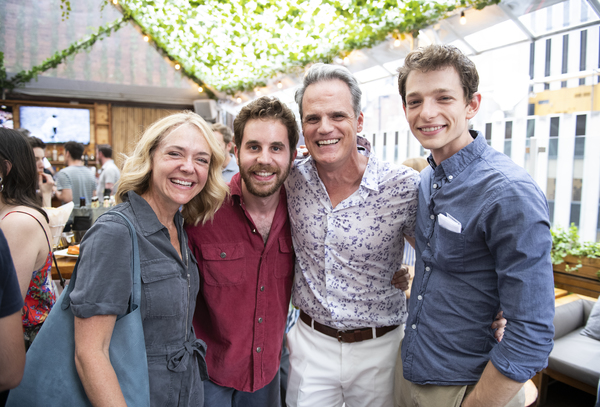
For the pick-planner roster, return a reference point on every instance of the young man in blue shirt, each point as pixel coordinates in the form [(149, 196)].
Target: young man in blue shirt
[(483, 244)]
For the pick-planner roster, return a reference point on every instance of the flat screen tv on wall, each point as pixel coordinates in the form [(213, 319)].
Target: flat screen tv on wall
[(56, 124)]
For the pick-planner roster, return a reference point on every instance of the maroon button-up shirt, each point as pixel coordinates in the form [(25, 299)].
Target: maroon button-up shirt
[(245, 289)]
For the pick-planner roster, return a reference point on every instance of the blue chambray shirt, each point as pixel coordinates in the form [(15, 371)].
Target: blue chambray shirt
[(500, 260)]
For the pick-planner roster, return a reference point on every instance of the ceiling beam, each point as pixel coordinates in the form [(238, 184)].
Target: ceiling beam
[(516, 20), (595, 5), (449, 27)]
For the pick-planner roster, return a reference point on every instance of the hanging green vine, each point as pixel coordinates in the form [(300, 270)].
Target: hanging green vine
[(25, 76), (65, 6), (236, 45)]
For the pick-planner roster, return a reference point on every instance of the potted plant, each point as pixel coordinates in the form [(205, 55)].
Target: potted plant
[(576, 265)]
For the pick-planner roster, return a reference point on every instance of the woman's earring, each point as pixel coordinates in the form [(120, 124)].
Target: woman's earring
[(1, 185)]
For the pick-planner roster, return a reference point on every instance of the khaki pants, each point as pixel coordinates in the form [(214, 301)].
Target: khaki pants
[(407, 394)]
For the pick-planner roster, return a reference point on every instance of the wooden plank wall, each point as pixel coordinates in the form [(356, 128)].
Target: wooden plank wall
[(128, 124)]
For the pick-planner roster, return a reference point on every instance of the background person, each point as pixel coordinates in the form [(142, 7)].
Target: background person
[(12, 348), (75, 180), (230, 165), (109, 173), (483, 244), (417, 164), (45, 180), (25, 226), (177, 162)]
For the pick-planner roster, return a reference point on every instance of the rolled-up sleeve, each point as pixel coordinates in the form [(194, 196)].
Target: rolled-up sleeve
[(518, 235), (104, 277)]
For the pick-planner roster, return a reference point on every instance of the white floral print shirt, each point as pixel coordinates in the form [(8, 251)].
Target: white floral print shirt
[(346, 256)]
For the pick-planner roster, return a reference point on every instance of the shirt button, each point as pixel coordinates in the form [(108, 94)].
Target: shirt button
[(427, 268), (414, 326), (431, 216), (428, 244), (262, 288), (450, 177), (253, 230), (434, 186), (258, 350), (260, 320), (223, 255), (420, 297)]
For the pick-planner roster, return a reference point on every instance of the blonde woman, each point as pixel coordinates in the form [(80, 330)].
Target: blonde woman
[(176, 163)]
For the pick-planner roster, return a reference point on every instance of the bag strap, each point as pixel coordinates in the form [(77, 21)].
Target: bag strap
[(136, 292)]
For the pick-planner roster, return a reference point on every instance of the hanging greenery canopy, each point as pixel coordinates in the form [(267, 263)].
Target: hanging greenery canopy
[(236, 45)]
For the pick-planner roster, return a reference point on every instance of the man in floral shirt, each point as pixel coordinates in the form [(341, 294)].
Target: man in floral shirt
[(349, 214)]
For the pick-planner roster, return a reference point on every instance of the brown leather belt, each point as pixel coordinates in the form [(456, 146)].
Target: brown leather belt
[(351, 336)]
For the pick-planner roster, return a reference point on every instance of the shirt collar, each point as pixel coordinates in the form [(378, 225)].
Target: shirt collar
[(235, 185), (459, 161), (370, 179), (147, 220)]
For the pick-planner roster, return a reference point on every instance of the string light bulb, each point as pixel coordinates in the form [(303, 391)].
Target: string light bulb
[(279, 85), (200, 89), (397, 42), (346, 60), (115, 2), (177, 67), (463, 19), (146, 38), (239, 100)]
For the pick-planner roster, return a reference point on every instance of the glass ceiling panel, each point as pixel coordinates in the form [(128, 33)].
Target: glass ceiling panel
[(496, 36), (460, 44), (560, 16)]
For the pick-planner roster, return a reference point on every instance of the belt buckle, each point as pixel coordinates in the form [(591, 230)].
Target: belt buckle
[(339, 336)]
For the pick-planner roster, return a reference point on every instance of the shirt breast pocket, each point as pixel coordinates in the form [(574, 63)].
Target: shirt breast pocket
[(284, 267), (223, 264), (449, 249), (164, 288)]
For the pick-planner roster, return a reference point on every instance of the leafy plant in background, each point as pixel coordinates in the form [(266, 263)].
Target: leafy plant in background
[(566, 242), (236, 45), (65, 6)]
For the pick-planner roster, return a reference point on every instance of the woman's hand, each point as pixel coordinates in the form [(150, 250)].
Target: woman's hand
[(46, 188)]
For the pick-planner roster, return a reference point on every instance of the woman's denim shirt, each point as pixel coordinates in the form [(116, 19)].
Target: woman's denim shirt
[(169, 288)]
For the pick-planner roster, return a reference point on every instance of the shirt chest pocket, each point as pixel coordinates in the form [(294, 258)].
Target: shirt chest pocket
[(165, 289), (448, 249), (223, 264), (284, 266)]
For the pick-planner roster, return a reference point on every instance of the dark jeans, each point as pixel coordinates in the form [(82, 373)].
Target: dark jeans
[(219, 396), (284, 369), (598, 398)]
